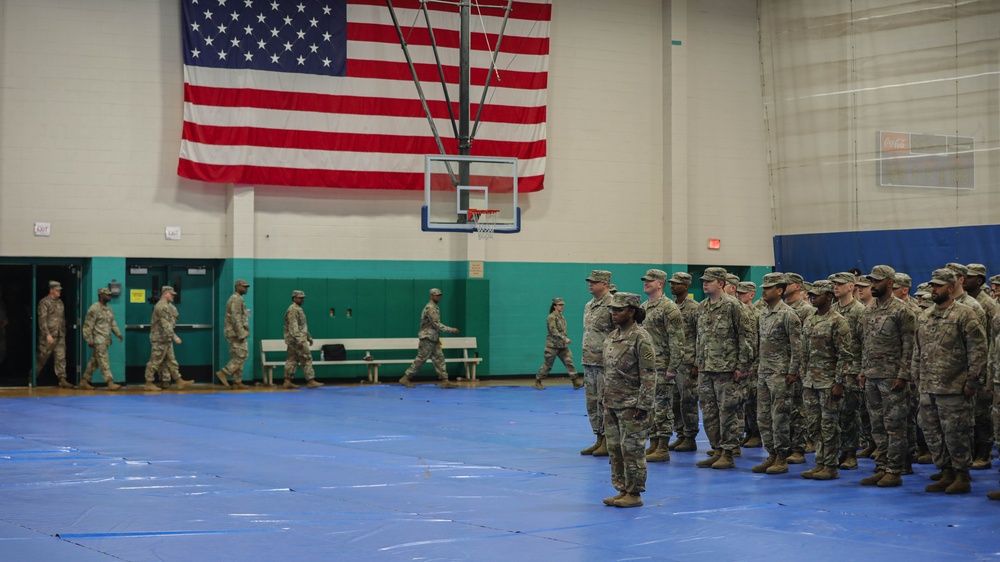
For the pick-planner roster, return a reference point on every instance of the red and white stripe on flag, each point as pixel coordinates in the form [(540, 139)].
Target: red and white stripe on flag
[(263, 107)]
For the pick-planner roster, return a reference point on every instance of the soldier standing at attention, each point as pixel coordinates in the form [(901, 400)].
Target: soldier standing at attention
[(724, 350), (779, 333), (665, 325), (802, 439), (236, 331), (863, 294), (430, 343), (557, 345), (686, 413), (628, 392), (52, 333), (995, 286), (597, 324), (162, 339), (745, 292), (298, 339), (886, 353), (902, 283), (732, 282), (826, 362), (948, 357), (985, 424), (853, 402), (98, 326)]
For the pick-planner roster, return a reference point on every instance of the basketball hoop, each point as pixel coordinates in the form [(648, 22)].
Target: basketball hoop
[(486, 221)]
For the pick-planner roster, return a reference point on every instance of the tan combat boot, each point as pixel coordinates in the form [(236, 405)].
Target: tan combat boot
[(577, 383), (850, 461), (63, 383), (613, 499), (796, 458), (962, 483), (673, 444), (182, 384), (539, 385), (828, 473), (289, 384), (661, 453), (812, 471), (112, 386), (654, 442), (238, 384), (405, 381), (890, 480), (602, 449), (946, 478), (151, 387), (85, 385), (994, 495), (780, 465), (222, 379), (590, 450), (687, 445), (707, 463), (313, 383), (725, 461), (630, 500), (768, 462), (873, 479), (753, 442)]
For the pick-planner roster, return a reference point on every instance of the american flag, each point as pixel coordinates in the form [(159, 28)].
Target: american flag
[(318, 93)]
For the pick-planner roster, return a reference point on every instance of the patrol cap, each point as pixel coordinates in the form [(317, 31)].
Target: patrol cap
[(241, 283), (655, 275), (863, 281), (298, 293), (104, 291), (995, 280), (558, 300), (807, 286), (772, 279), (794, 278), (55, 285), (681, 278), (842, 277), (942, 277), (880, 272), (435, 291), (923, 290), (599, 276), (714, 274), (958, 269), (732, 279), (977, 269), (167, 289), (746, 287), (902, 280), (625, 300), (821, 287), (612, 288)]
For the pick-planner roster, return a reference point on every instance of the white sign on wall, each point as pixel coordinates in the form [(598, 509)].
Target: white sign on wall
[(173, 233), (43, 229)]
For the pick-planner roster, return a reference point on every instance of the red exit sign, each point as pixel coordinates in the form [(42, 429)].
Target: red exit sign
[(714, 244)]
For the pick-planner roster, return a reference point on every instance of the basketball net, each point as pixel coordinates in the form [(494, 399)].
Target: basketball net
[(485, 220)]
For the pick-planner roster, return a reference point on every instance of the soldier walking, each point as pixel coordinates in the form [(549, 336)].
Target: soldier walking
[(430, 343), (298, 339), (52, 333), (236, 330), (98, 326), (162, 339), (557, 345)]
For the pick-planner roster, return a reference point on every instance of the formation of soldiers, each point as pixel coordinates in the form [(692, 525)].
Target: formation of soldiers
[(844, 367)]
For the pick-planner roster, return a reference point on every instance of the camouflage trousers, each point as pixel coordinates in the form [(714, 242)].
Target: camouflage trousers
[(721, 398), (750, 405), (161, 359), (888, 411), (800, 431), (774, 412), (239, 350), (298, 354), (593, 387), (98, 360), (996, 414), (426, 349), (983, 430), (866, 421), (626, 438), (914, 435), (564, 355), (663, 412), (685, 401), (850, 418), (823, 418), (46, 352), (947, 423)]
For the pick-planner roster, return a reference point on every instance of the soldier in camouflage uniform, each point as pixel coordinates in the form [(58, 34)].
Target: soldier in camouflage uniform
[(827, 361), (949, 353), (686, 387), (430, 343), (162, 339), (98, 326), (52, 333), (902, 283), (853, 402), (985, 427), (863, 294), (236, 330), (627, 398), (779, 335), (298, 340), (745, 292), (597, 324), (886, 352), (724, 352), (557, 345), (802, 439), (995, 286), (665, 325)]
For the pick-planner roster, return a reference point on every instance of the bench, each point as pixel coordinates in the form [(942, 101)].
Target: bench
[(371, 347)]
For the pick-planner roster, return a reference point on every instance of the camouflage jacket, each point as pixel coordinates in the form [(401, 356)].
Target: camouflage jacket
[(163, 322), (296, 328), (665, 324), (597, 325), (430, 323), (237, 324), (802, 308), (51, 318), (949, 350), (725, 336), (827, 347), (887, 339), (779, 335), (99, 324), (992, 310), (689, 309), (852, 313), (556, 324), (629, 369)]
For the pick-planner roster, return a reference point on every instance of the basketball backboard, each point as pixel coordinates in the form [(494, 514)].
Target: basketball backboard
[(455, 184)]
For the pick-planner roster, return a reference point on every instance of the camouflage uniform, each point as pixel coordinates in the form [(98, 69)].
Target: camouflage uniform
[(161, 340), (800, 431), (982, 441), (298, 339), (886, 352), (52, 322), (430, 340), (665, 325), (948, 354), (686, 412), (597, 325), (750, 398), (827, 360), (556, 346), (779, 335), (985, 415), (98, 326), (853, 402), (723, 345), (236, 331), (629, 385)]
